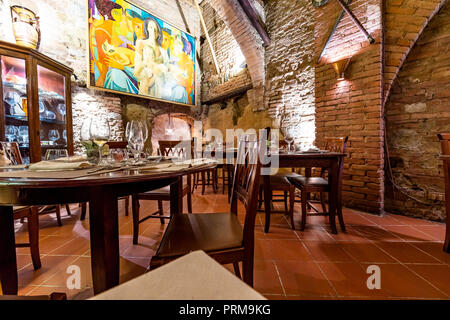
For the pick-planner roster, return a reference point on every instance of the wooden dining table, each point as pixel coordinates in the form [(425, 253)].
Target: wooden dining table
[(101, 191), (328, 160)]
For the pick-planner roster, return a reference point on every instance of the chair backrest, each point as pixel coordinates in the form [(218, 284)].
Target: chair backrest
[(336, 144), (245, 187), (177, 148), (12, 152), (117, 144)]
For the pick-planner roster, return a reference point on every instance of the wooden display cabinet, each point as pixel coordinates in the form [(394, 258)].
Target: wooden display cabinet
[(35, 102)]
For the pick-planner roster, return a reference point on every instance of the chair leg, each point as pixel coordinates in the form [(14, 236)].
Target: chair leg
[(203, 182), (291, 206), (135, 211), (33, 235), (322, 202), (68, 210), (237, 271), (127, 205), (214, 180), (58, 214), (285, 201), (83, 210), (247, 270), (223, 179), (189, 202), (161, 210), (260, 198), (304, 208)]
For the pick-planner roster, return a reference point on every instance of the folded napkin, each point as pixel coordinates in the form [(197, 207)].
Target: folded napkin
[(58, 166), (80, 158)]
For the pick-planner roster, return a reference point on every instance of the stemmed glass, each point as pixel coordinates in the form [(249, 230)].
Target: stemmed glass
[(135, 137), (11, 133), (99, 131), (289, 138), (85, 134), (53, 135)]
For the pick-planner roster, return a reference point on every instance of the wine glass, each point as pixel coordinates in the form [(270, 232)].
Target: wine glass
[(289, 138), (99, 131), (85, 134), (135, 137), (23, 134), (53, 154), (53, 135), (61, 109), (11, 133)]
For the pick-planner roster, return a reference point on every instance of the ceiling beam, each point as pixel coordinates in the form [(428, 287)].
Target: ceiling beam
[(255, 20)]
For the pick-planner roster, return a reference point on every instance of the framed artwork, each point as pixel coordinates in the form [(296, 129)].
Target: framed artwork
[(134, 52)]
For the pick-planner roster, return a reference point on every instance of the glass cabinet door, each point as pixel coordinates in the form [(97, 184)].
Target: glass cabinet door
[(15, 103), (52, 110)]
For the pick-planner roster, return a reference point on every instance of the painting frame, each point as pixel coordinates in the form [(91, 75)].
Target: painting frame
[(193, 43)]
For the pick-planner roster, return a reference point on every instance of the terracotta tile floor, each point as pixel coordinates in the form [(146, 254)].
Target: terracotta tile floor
[(313, 264)]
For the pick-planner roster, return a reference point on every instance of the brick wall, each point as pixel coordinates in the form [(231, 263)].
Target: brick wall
[(416, 110), (405, 22), (64, 31), (289, 92), (352, 107)]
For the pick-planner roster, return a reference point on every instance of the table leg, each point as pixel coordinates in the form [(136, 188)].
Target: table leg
[(176, 196), (333, 196), (8, 263), (267, 198), (104, 231)]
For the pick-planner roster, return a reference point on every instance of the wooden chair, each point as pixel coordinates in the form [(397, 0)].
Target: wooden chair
[(111, 145), (206, 178), (445, 146), (319, 184), (12, 152), (180, 149), (220, 234), (280, 182)]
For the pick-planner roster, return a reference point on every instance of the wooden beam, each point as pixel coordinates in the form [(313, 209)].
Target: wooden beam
[(205, 30), (255, 20), (229, 95)]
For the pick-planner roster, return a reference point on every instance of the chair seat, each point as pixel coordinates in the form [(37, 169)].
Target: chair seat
[(207, 232), (302, 181), (165, 191), (281, 179)]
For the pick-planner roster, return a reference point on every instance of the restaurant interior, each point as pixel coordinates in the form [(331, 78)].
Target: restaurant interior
[(224, 149)]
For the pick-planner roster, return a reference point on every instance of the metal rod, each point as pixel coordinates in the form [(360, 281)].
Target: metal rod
[(356, 21), (331, 36), (205, 30)]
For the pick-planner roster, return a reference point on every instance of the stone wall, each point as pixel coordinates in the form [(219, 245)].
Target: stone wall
[(353, 107), (289, 88), (64, 38), (418, 109)]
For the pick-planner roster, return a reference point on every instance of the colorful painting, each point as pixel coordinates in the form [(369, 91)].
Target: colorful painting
[(133, 52)]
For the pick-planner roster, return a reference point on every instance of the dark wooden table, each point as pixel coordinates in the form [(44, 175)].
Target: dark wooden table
[(446, 160), (329, 160), (101, 191)]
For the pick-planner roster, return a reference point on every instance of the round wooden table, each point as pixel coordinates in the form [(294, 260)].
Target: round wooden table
[(101, 191)]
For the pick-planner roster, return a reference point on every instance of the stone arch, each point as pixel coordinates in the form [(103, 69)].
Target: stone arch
[(249, 41), (402, 32)]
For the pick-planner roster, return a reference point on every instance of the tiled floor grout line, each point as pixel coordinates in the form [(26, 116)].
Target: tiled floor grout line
[(406, 266), (279, 277), (318, 265)]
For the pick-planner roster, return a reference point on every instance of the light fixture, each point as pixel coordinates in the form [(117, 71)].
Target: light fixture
[(340, 67), (169, 130)]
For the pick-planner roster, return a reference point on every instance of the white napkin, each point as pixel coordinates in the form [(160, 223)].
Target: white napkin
[(58, 165)]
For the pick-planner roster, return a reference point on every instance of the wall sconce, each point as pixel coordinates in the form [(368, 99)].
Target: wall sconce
[(340, 67)]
